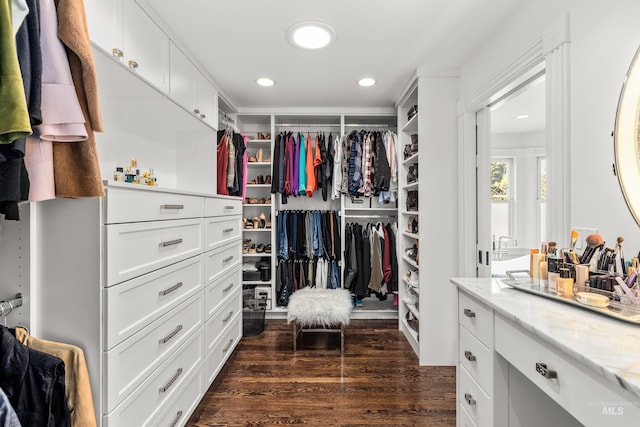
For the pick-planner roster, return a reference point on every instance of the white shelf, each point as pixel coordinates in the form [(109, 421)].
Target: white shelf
[(258, 254), (258, 185), (256, 282), (412, 336), (411, 262), (257, 205), (264, 230), (412, 125), (411, 235), (411, 160), (412, 186), (258, 141), (259, 163), (412, 308), (409, 212)]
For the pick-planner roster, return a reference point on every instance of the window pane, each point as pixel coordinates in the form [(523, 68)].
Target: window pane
[(542, 181), (500, 219), (499, 181)]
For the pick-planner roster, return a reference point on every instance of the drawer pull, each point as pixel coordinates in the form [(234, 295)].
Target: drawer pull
[(171, 335), (117, 52), (226, 319), (226, 260), (171, 243), (549, 374), (227, 289), (224, 350), (133, 64), (172, 207), (228, 208), (469, 313), (176, 419), (171, 289), (227, 230), (470, 400), (469, 356), (173, 379)]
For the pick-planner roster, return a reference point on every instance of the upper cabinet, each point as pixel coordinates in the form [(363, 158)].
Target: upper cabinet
[(125, 30), (189, 88)]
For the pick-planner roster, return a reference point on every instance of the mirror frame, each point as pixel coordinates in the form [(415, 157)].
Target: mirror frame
[(626, 138)]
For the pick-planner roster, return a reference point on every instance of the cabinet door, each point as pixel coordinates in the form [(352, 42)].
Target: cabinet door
[(146, 46), (206, 100), (181, 84), (104, 20)]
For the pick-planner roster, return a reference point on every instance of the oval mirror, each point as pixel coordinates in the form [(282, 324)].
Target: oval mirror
[(627, 138)]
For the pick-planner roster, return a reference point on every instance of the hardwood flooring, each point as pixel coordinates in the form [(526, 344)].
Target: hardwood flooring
[(377, 382)]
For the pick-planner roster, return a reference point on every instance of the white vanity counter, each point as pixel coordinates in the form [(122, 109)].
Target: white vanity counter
[(596, 359)]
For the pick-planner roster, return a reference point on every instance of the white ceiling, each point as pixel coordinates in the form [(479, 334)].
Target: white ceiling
[(239, 40), (530, 101)]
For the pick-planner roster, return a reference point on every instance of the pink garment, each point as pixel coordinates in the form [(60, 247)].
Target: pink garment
[(245, 163), (62, 118), (38, 160)]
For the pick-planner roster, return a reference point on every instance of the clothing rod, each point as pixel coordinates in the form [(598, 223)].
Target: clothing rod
[(301, 125), (7, 307), (378, 125), (389, 215)]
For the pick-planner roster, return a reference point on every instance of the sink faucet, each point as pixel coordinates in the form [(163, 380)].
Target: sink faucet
[(506, 239)]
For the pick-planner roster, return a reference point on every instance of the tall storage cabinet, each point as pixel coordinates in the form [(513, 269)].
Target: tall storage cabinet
[(436, 189)]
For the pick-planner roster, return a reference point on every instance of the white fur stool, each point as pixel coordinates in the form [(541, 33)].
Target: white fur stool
[(319, 310)]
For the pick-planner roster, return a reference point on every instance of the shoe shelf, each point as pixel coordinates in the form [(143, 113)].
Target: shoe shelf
[(413, 159), (258, 141), (411, 235), (411, 126), (256, 283), (412, 186), (409, 212), (259, 163), (412, 308), (257, 230), (411, 262), (259, 186), (258, 254)]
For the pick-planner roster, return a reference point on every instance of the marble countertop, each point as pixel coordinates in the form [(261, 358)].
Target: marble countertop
[(609, 347)]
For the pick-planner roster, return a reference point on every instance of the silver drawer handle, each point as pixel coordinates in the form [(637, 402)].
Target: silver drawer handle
[(228, 347), (173, 379), (196, 111), (203, 116), (176, 419), (225, 320), (172, 207), (227, 289), (469, 356), (470, 400), (171, 335), (469, 313), (133, 64), (228, 207), (171, 289), (542, 369), (171, 243), (227, 230), (227, 259), (117, 52)]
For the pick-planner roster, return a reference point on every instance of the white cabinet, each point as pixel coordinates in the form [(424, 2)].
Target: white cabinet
[(124, 29), (189, 88)]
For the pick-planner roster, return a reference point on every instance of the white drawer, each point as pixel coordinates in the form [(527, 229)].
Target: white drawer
[(222, 319), (590, 398), (222, 206), (138, 248), (128, 364), (477, 360), (222, 349), (217, 293), (464, 420), (474, 400), (219, 231), (161, 387), (178, 411), (477, 318), (132, 205), (222, 260), (134, 304)]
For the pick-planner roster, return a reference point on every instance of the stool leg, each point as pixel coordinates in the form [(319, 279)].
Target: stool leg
[(341, 338), (295, 335)]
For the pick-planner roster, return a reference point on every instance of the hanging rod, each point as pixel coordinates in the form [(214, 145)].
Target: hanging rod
[(8, 306), (300, 125), (375, 125)]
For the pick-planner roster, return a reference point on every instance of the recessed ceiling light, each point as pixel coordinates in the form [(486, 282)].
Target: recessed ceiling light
[(310, 35), (265, 81), (522, 116), (366, 82)]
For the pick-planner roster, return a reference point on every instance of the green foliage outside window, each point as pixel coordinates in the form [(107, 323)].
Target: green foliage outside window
[(499, 181)]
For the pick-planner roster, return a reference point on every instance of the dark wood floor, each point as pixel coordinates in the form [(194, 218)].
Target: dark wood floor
[(377, 382)]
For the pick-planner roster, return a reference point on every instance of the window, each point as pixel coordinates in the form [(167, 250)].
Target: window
[(502, 196)]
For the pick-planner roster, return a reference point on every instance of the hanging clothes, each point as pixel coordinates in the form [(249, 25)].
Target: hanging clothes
[(8, 417), (222, 160)]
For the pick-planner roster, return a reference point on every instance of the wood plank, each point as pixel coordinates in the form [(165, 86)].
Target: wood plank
[(376, 382)]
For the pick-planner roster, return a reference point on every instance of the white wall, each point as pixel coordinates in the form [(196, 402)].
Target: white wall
[(604, 37)]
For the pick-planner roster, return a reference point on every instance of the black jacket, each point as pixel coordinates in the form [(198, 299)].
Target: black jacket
[(34, 383)]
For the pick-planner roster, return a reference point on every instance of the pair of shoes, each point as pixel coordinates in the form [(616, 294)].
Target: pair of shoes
[(268, 223), (252, 248), (253, 159), (263, 220), (252, 182), (260, 179), (261, 136), (267, 248), (251, 201), (245, 246), (267, 180), (260, 248), (268, 201), (259, 156)]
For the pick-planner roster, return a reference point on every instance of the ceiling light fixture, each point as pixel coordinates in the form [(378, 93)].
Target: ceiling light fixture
[(522, 116), (366, 82), (265, 81), (310, 35)]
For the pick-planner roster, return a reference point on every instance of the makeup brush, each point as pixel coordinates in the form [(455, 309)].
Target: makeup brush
[(593, 242), (574, 239), (619, 249)]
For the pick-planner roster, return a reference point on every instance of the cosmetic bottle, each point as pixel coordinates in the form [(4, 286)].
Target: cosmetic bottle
[(582, 275), (118, 175), (565, 283), (553, 274), (544, 273)]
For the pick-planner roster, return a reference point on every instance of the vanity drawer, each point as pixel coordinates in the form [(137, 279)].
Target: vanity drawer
[(477, 318), (138, 248), (161, 387), (217, 293), (177, 413), (222, 349), (476, 359), (474, 400), (219, 231), (134, 304), (591, 399), (222, 260), (133, 205), (130, 362), (222, 206), (222, 319), (464, 420)]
